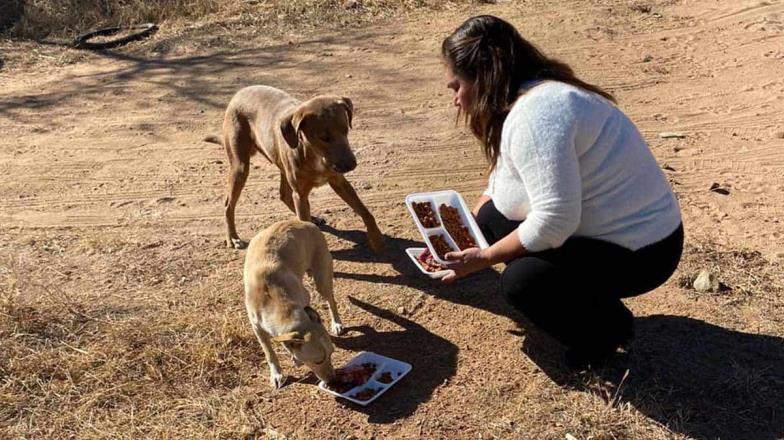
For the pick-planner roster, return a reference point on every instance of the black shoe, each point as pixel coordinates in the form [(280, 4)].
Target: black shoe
[(582, 359), (628, 340), (596, 355)]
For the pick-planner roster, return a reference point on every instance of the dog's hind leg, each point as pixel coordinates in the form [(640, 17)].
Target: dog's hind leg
[(239, 146), (322, 278)]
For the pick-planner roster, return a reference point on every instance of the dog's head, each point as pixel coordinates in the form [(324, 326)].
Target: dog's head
[(310, 344), (321, 125)]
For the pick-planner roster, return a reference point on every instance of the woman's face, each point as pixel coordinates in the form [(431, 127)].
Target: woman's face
[(462, 90)]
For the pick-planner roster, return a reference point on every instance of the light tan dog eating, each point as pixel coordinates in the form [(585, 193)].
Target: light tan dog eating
[(277, 302), (307, 141)]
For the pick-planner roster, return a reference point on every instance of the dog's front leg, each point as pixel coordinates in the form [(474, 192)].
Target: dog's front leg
[(335, 323), (323, 277), (343, 188), (277, 379), (302, 208), (302, 205)]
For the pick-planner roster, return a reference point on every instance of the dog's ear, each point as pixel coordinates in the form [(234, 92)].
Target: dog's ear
[(290, 126), (313, 315), (346, 102), (290, 337)]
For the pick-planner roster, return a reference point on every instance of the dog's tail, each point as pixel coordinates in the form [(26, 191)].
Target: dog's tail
[(215, 139)]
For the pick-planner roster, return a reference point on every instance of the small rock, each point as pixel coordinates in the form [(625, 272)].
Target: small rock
[(668, 167), (780, 134), (706, 282), (648, 58), (348, 75), (401, 310), (570, 437), (352, 4), (671, 135), (717, 188)]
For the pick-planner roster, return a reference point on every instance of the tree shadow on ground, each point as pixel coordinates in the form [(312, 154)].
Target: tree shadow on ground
[(698, 379), (10, 13), (433, 357), (192, 79), (477, 290)]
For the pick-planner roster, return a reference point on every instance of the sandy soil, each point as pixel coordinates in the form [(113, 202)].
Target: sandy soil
[(122, 310)]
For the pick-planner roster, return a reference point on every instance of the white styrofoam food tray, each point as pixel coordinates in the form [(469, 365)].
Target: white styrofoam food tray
[(396, 368), (451, 198), (413, 253)]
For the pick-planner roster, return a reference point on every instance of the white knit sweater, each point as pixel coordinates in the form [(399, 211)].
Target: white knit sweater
[(572, 164)]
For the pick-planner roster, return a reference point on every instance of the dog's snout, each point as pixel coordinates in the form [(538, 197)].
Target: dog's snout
[(347, 166), (344, 164), (324, 372)]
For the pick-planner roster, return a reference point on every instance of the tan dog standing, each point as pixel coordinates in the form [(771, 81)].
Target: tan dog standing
[(277, 302), (308, 141)]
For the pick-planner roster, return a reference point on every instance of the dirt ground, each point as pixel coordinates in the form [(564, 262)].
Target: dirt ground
[(121, 312)]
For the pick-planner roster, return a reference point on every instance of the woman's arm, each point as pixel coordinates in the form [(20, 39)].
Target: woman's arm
[(544, 153), (484, 198), (545, 156), (471, 260)]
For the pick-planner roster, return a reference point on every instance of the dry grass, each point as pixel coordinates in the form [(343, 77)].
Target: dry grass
[(82, 358), (139, 331), (115, 337), (41, 18), (745, 275)]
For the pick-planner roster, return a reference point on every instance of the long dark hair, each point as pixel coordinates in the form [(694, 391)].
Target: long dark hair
[(489, 53)]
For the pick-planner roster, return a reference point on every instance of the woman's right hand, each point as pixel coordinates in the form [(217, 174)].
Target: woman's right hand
[(479, 203)]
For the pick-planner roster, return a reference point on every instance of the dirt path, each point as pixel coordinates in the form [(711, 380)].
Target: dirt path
[(124, 310)]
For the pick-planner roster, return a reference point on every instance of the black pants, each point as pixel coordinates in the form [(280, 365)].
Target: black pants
[(574, 292)]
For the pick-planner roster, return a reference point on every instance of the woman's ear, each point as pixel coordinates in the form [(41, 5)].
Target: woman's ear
[(290, 126), (346, 102)]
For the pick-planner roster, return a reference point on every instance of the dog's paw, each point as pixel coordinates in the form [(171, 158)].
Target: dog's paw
[(318, 221), (236, 243), (337, 328), (277, 379)]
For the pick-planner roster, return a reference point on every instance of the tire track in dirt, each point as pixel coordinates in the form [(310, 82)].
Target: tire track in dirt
[(142, 149), (415, 154)]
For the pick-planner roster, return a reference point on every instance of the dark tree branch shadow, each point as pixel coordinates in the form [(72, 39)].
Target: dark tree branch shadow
[(698, 379), (192, 77)]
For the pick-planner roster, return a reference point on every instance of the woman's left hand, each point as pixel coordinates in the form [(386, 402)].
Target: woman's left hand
[(464, 262)]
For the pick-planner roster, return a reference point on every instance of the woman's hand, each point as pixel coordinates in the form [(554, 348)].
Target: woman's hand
[(465, 262), (473, 259)]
